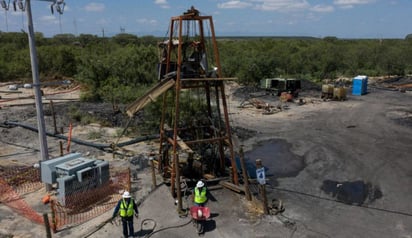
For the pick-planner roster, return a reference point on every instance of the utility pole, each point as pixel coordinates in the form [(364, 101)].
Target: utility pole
[(6, 8), (44, 152), (7, 21), (26, 6)]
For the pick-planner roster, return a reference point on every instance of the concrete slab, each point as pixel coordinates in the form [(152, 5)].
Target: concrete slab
[(229, 218)]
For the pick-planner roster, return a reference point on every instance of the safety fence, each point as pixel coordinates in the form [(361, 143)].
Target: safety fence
[(16, 181), (90, 202), (22, 179)]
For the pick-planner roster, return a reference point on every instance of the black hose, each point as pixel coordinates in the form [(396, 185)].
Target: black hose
[(85, 143), (168, 227), (341, 202), (138, 139), (145, 220)]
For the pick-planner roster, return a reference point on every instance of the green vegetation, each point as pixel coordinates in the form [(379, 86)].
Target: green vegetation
[(95, 134), (76, 115), (314, 59), (121, 68)]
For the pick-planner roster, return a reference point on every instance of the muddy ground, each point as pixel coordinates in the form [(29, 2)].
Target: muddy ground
[(341, 168)]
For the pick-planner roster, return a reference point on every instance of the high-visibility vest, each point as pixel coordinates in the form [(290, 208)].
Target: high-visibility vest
[(200, 196), (126, 210)]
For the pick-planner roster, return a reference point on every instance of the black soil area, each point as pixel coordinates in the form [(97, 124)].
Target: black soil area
[(354, 193), (277, 158)]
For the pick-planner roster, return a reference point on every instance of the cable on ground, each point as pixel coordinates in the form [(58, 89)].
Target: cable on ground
[(168, 227), (341, 202)]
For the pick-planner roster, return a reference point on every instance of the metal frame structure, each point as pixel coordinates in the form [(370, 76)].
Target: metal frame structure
[(206, 77)]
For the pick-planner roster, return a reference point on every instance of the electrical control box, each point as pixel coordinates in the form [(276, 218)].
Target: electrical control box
[(73, 174)]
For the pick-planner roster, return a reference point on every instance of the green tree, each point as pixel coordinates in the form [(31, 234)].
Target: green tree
[(124, 39), (57, 60), (64, 39), (87, 39)]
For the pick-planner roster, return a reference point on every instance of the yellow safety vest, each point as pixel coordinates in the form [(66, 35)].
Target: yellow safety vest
[(200, 196), (126, 211)]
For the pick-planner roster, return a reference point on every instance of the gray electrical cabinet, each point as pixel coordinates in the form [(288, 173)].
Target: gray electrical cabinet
[(74, 174)]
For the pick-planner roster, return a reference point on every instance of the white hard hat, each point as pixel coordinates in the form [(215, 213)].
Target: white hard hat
[(126, 194), (200, 184)]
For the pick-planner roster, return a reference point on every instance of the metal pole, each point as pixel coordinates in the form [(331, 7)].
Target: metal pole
[(47, 225), (37, 93)]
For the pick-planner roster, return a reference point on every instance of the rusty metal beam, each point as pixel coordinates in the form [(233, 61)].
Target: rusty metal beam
[(176, 58)]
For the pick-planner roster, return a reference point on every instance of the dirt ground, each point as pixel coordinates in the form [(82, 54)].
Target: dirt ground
[(341, 168)]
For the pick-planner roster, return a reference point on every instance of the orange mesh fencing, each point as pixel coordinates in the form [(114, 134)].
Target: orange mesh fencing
[(82, 206), (16, 181)]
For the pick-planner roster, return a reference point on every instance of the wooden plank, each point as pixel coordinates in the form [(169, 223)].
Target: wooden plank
[(232, 186), (182, 144), (149, 96), (214, 187), (209, 176)]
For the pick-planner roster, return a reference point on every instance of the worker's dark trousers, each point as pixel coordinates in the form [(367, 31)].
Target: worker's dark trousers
[(128, 229)]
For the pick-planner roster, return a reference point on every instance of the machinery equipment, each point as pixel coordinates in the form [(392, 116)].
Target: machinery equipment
[(279, 85), (74, 174)]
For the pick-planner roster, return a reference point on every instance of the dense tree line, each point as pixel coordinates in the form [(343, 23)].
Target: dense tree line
[(314, 59), (120, 68)]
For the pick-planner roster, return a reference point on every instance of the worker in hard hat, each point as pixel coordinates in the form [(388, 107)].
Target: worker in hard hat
[(200, 194), (126, 208)]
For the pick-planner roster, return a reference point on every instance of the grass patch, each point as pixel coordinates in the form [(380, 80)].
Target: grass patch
[(76, 115), (95, 134)]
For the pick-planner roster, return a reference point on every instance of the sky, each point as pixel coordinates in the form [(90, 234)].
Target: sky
[(375, 19)]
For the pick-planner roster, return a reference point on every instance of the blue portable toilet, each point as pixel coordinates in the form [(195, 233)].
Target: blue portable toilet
[(360, 85)]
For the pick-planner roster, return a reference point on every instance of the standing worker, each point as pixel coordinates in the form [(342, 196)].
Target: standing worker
[(200, 194), (126, 208)]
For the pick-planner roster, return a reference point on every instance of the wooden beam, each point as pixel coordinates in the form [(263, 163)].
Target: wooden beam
[(232, 186)]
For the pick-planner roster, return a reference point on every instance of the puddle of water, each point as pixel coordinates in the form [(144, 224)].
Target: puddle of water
[(277, 159), (356, 192)]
